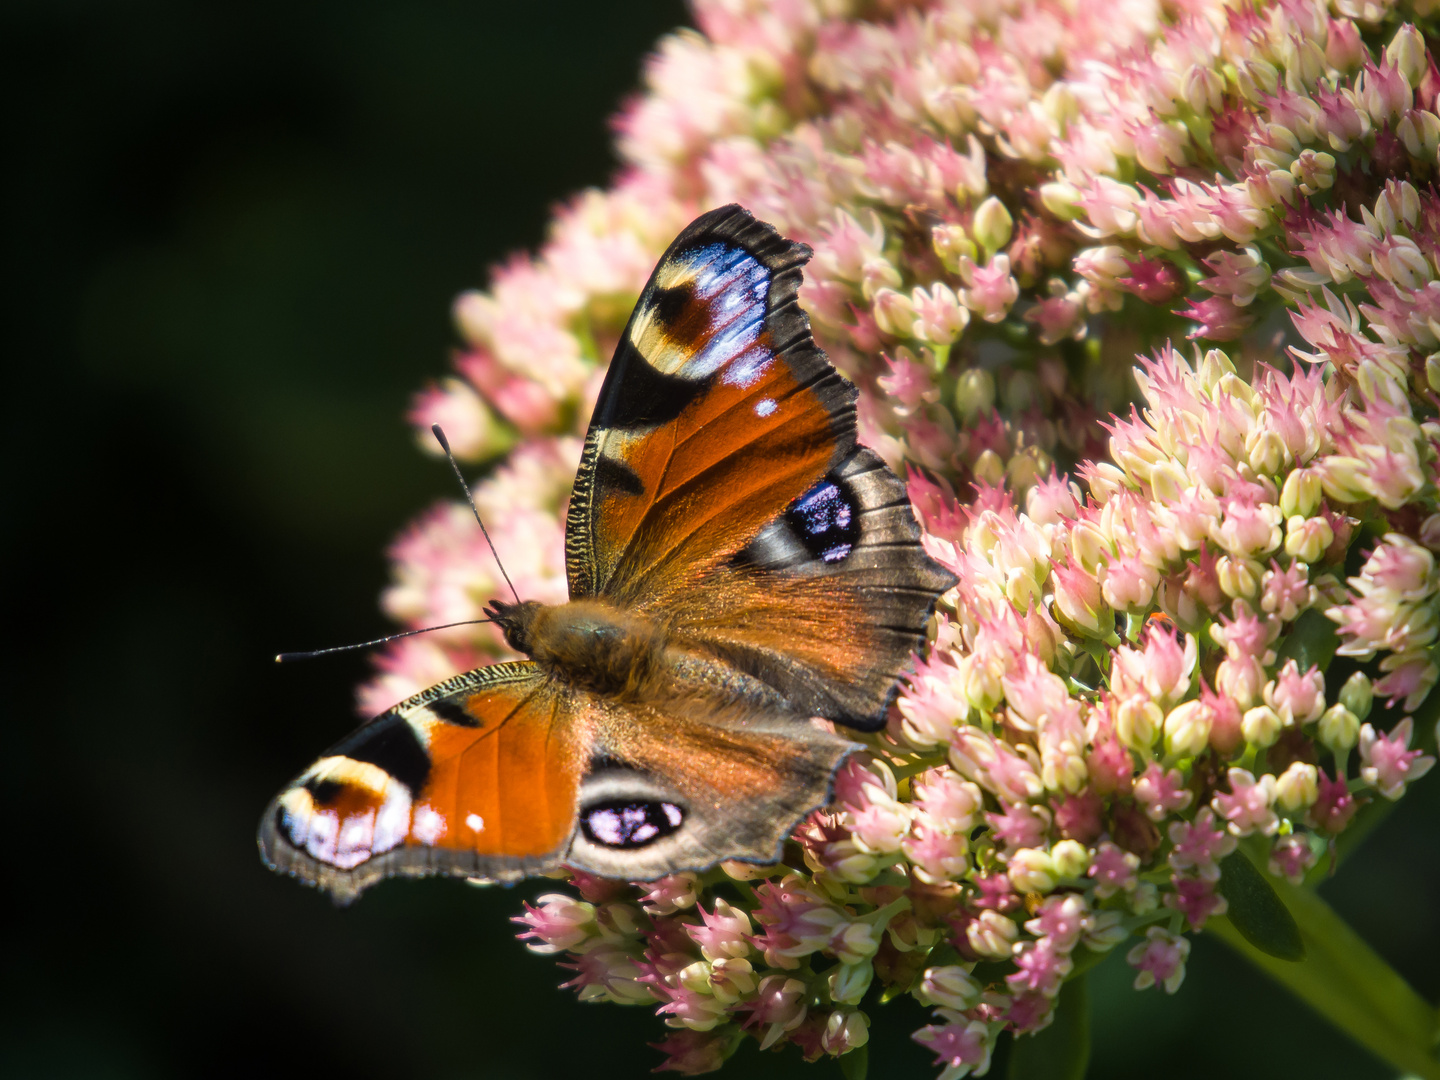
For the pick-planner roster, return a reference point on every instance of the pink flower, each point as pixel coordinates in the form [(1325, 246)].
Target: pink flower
[(469, 425), (778, 1006), (1078, 600), (1109, 764), (797, 922), (992, 764), (1159, 959), (597, 890), (1411, 681), (692, 1053), (1034, 694), (1155, 281), (989, 290), (687, 1006), (1162, 669), (947, 802), (962, 1046), (845, 1030), (1217, 319), (559, 922), (1042, 967), (1080, 816), (1334, 805), (938, 856), (1029, 1011), (1114, 870), (1196, 899), (1161, 793), (1387, 763), (1057, 318), (1291, 858), (608, 973), (1061, 920), (908, 382), (995, 892), (899, 144), (1247, 806), (1239, 276), (1129, 583), (1019, 825), (1199, 846), (880, 823), (1297, 698), (669, 894), (725, 933)]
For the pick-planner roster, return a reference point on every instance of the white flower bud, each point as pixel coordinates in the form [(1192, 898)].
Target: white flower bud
[(1298, 787), (950, 987), (848, 982), (992, 225), (1261, 726), (1070, 858), (1357, 695), (1339, 728), (992, 935), (1032, 870)]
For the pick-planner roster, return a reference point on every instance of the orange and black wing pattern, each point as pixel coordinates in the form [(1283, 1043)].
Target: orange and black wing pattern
[(721, 488), (477, 776), (501, 773)]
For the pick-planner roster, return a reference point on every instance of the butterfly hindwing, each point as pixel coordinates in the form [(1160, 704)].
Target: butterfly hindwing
[(702, 780), (828, 601)]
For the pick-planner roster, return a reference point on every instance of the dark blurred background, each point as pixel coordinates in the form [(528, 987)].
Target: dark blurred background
[(233, 233)]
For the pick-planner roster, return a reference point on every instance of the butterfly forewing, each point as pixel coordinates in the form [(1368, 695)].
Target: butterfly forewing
[(476, 776), (717, 411), (721, 488)]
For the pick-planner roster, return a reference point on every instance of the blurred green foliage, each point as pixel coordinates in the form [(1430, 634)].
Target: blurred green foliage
[(234, 231)]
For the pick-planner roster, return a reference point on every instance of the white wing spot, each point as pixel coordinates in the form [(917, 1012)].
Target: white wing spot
[(765, 407), (476, 823), (428, 825)]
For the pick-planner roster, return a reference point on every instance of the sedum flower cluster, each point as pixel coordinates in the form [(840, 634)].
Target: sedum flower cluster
[(1198, 596)]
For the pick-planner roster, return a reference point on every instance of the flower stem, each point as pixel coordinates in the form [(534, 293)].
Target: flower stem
[(1348, 983)]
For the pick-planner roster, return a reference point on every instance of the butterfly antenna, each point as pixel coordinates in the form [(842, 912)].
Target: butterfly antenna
[(455, 465), (291, 657)]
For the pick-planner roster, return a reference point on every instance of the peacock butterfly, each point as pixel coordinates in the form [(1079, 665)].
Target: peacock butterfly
[(737, 566)]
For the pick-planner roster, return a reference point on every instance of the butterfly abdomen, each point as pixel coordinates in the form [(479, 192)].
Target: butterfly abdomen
[(590, 644)]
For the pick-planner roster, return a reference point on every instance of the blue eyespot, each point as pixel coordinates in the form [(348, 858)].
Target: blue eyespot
[(826, 520), (625, 824)]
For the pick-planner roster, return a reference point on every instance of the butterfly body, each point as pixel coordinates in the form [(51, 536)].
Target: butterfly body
[(589, 644), (738, 568)]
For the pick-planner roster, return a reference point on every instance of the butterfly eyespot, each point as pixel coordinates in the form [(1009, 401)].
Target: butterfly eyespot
[(630, 824), (826, 520), (324, 792), (671, 303)]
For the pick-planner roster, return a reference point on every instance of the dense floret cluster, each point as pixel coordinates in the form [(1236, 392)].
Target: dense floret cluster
[(1198, 596)]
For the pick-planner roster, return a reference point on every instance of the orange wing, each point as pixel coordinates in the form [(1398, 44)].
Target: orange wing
[(718, 411), (501, 773), (721, 489), (475, 777)]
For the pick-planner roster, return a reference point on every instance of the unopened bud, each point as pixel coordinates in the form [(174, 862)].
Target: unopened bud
[(992, 225), (1339, 728), (1357, 694)]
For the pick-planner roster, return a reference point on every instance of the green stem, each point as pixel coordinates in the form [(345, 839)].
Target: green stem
[(1348, 983)]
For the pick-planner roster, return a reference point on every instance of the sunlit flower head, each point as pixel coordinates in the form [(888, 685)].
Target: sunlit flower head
[(1144, 300)]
